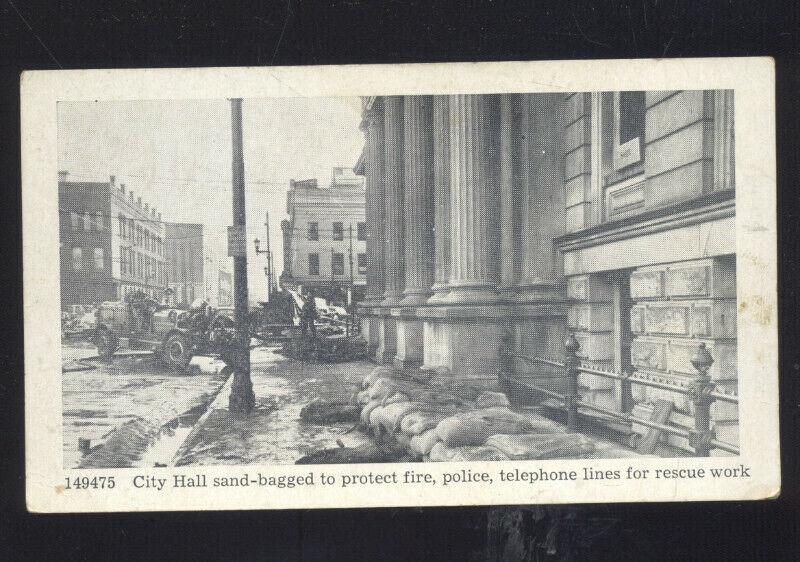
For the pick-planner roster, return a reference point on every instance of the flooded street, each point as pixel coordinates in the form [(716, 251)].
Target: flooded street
[(97, 401), (101, 399), (274, 432)]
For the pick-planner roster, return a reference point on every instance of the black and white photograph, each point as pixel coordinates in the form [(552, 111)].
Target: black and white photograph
[(363, 287), (468, 277)]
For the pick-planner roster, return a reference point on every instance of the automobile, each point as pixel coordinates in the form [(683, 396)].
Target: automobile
[(175, 335)]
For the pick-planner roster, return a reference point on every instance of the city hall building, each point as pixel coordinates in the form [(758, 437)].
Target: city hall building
[(610, 215)]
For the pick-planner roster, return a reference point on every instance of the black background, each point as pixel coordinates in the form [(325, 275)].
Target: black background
[(130, 34)]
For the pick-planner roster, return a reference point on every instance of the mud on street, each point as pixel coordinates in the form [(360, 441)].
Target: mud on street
[(101, 400)]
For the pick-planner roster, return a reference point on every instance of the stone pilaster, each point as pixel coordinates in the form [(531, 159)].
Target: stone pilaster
[(373, 127), (474, 195), (394, 232), (543, 200), (441, 197), (418, 199)]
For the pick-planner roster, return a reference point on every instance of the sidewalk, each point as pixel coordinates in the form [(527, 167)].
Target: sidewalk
[(273, 433)]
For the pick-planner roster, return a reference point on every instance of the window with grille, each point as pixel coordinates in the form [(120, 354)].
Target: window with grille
[(362, 263), (313, 231), (362, 231)]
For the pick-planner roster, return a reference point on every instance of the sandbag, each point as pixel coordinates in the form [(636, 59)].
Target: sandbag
[(403, 440), (442, 453), (367, 410), (396, 397), (381, 388), (542, 446), (541, 424), (381, 372), (384, 388), (420, 421), (424, 442), (475, 427), (390, 416), (362, 397), (488, 399)]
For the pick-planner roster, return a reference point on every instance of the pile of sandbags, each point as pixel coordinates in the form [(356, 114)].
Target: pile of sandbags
[(440, 418)]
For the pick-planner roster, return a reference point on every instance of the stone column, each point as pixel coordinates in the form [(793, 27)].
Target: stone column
[(374, 131), (474, 196), (418, 215), (508, 223), (394, 231), (441, 197), (418, 199)]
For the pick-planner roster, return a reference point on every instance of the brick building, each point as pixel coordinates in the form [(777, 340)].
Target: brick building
[(112, 244), (609, 214), (324, 224)]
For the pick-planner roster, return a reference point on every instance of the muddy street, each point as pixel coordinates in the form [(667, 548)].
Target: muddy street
[(98, 400)]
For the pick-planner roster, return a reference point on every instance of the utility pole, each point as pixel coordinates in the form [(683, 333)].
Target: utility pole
[(242, 399), (350, 291), (269, 262)]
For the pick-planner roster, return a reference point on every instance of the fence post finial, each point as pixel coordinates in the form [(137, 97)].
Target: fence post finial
[(571, 398), (700, 390)]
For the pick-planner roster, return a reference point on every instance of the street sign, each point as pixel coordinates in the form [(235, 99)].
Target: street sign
[(236, 244)]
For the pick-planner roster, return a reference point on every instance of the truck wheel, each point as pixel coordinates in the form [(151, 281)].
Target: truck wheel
[(107, 343), (176, 352)]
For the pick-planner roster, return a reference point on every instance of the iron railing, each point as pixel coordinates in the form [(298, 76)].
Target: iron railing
[(700, 390)]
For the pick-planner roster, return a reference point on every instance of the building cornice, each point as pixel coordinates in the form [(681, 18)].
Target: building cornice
[(705, 209)]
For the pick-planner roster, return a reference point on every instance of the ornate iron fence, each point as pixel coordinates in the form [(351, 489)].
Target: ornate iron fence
[(700, 390)]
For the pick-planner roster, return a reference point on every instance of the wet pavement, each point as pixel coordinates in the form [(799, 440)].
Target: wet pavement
[(96, 401), (274, 432)]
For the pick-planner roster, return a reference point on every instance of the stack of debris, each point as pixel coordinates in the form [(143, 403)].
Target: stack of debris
[(438, 417), (331, 349)]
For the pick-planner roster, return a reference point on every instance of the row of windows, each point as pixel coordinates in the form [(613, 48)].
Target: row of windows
[(136, 264), (130, 230), (88, 221), (338, 231), (96, 259), (337, 263)]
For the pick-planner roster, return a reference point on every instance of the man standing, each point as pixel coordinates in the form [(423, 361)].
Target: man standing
[(307, 316)]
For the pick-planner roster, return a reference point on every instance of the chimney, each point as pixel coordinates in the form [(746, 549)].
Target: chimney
[(159, 217), (122, 188), (139, 201), (130, 195), (146, 208), (153, 212), (62, 175), (112, 181)]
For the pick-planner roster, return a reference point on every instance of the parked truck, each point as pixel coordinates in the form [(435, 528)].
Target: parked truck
[(175, 335)]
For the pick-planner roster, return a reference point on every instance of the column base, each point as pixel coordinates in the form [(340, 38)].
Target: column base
[(415, 298), (392, 299), (472, 294), (409, 351), (387, 340), (440, 293)]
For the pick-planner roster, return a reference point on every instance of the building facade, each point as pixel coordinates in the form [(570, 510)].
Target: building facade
[(324, 239), (225, 288), (111, 243), (525, 216), (184, 262)]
